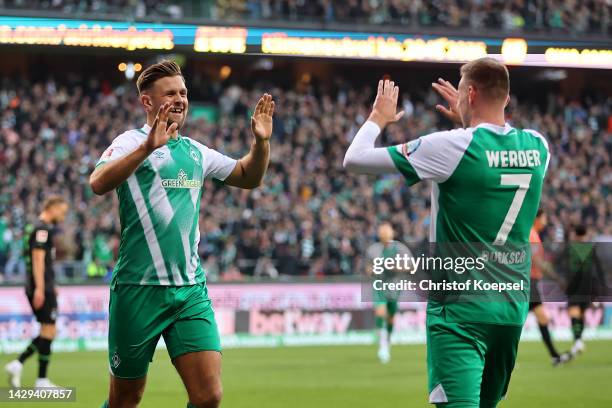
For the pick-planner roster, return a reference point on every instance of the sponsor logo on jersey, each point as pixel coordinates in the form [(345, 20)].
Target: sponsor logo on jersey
[(181, 181), (42, 236), (410, 147)]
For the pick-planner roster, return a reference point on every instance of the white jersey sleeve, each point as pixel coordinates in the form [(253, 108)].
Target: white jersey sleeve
[(374, 251), (363, 157), (122, 145), (403, 249), (431, 157), (216, 165)]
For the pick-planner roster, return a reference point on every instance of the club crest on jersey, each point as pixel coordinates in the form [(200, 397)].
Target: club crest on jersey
[(194, 156), (410, 147), (116, 360), (181, 181)]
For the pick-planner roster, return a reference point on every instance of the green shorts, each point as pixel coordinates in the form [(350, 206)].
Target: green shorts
[(469, 364), (140, 314), (381, 298)]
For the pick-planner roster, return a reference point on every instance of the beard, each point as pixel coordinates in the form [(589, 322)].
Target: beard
[(179, 122)]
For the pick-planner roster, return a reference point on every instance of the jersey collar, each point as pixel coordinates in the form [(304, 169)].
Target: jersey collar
[(495, 128)]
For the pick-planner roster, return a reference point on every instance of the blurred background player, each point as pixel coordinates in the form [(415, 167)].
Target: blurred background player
[(584, 276), (39, 252), (385, 302), (538, 264)]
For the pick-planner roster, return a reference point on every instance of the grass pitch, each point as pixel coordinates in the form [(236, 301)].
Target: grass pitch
[(336, 377)]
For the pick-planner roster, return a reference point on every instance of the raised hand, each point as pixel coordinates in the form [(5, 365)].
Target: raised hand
[(451, 96), (261, 121), (384, 110), (160, 132)]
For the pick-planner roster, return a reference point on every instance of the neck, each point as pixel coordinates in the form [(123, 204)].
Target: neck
[(150, 121), (495, 118)]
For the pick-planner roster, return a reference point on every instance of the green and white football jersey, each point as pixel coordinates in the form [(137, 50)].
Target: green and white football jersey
[(159, 207), (487, 183)]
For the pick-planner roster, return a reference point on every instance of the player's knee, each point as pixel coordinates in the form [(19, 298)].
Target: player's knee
[(48, 331), (126, 399), (207, 398), (122, 396)]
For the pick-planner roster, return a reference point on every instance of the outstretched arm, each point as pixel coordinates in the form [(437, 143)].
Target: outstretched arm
[(250, 169), (362, 156)]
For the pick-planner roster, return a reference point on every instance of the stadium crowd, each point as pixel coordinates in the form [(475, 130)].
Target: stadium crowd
[(553, 15), (561, 16), (128, 8), (310, 217)]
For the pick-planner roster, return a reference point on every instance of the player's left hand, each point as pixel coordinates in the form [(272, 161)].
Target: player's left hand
[(384, 110), (451, 96), (261, 121)]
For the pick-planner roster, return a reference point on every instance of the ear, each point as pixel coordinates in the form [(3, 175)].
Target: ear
[(471, 94), (507, 101), (146, 102)]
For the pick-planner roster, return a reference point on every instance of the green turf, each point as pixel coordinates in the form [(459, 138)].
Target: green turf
[(338, 377)]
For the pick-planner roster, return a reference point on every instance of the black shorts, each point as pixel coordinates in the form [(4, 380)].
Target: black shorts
[(534, 295), (579, 293), (48, 312)]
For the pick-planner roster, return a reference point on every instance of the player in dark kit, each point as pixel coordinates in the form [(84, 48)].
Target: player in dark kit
[(39, 253), (585, 276), (538, 266)]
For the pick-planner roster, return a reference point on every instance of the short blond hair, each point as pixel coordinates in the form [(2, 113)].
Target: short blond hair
[(489, 76), (53, 200), (162, 69)]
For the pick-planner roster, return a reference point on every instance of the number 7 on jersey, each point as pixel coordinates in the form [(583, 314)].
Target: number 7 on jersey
[(522, 181)]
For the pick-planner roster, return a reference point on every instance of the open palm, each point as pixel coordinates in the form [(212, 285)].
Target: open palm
[(384, 110), (160, 133), (451, 96), (261, 121)]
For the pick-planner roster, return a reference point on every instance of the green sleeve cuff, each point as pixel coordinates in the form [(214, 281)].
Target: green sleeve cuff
[(403, 166)]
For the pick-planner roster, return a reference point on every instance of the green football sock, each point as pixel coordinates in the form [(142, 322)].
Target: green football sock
[(389, 328), (380, 322), (577, 327)]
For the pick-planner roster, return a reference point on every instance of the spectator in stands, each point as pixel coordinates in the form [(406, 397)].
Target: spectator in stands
[(592, 16)]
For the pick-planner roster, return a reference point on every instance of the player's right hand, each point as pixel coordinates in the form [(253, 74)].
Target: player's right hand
[(39, 299), (160, 132), (451, 96), (384, 110)]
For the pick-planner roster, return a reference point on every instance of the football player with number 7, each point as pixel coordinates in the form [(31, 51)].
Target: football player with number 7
[(487, 181)]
